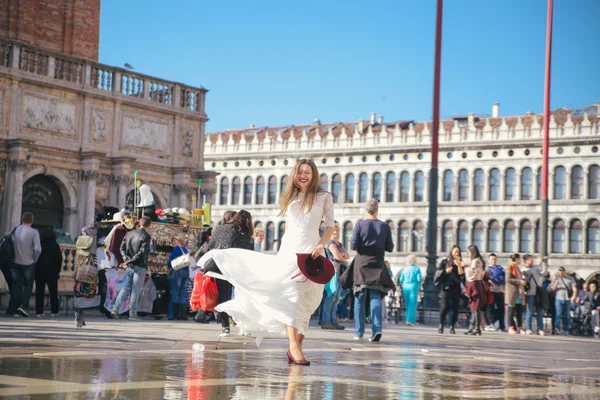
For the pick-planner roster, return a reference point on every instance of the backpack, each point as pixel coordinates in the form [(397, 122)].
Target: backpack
[(7, 248), (498, 275)]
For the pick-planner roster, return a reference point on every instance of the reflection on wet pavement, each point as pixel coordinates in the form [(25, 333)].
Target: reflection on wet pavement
[(155, 361)]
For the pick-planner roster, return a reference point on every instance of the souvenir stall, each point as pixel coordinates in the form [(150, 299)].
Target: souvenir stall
[(166, 226)]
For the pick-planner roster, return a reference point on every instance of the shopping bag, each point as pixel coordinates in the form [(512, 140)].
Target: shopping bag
[(84, 289), (333, 285), (86, 269), (205, 295)]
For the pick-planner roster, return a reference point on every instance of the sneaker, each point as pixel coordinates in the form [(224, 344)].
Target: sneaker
[(40, 315), (529, 332), (114, 314), (376, 337), (17, 316), (565, 333), (225, 332), (135, 317), (555, 332), (490, 328), (541, 333), (54, 315), (512, 331), (22, 312), (328, 325), (358, 337)]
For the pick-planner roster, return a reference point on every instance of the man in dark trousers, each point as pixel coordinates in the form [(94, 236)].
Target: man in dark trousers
[(134, 249)]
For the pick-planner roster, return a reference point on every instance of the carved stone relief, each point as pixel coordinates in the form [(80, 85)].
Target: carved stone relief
[(99, 126), (49, 115), (144, 134), (187, 140)]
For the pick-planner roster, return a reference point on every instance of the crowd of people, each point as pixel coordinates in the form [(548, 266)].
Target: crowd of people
[(260, 292)]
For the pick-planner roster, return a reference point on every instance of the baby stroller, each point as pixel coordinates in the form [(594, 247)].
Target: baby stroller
[(581, 321)]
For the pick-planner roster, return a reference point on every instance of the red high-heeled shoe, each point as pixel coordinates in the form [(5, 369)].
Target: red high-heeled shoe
[(293, 360)]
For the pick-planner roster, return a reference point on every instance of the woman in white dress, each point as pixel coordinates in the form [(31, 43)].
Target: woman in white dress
[(270, 293)]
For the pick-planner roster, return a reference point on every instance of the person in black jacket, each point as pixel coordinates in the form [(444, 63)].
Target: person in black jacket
[(235, 234), (47, 273), (448, 277)]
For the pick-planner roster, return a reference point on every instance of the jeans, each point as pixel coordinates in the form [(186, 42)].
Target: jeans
[(40, 286), (516, 311), (562, 310), (447, 304), (134, 282), (178, 285), (330, 307), (411, 298), (531, 308), (495, 311), (22, 286), (359, 311)]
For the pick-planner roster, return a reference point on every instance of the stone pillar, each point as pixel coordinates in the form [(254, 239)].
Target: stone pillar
[(518, 239), (370, 188), (586, 184), (471, 195), (519, 186), (113, 191), (254, 191), (568, 185), (122, 181), (90, 177), (502, 187), (486, 242), (584, 243), (486, 194), (567, 238), (440, 238), (411, 186), (550, 188), (14, 191), (501, 239), (398, 189)]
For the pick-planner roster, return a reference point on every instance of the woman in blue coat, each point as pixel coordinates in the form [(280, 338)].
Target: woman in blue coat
[(410, 278)]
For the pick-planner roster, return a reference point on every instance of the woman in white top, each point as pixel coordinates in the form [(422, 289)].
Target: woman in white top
[(270, 294), (475, 289)]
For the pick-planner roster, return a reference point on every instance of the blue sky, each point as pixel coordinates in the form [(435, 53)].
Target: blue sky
[(279, 62)]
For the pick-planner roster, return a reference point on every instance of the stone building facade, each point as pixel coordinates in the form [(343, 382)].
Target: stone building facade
[(490, 170), (73, 131)]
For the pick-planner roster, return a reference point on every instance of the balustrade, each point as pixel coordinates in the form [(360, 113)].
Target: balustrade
[(189, 99), (102, 78), (68, 263), (5, 50), (133, 86), (160, 92), (33, 61), (68, 70)]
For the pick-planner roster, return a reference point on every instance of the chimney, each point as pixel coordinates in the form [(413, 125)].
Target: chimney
[(471, 119), (317, 121), (251, 125), (598, 105), (373, 115), (380, 120), (495, 110), (361, 126)]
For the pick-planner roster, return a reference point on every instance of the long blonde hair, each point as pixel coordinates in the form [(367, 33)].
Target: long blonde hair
[(292, 190)]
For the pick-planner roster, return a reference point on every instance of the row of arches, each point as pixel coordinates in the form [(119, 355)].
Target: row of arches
[(493, 185)]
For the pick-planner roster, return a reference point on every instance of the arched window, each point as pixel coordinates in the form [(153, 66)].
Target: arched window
[(283, 184), (363, 186), (272, 196), (350, 188), (403, 237), (594, 182), (539, 183), (270, 237), (336, 188), (494, 236), (560, 183), (280, 233), (404, 187), (527, 184), (509, 236), (526, 239), (479, 186), (324, 182), (510, 184), (478, 234), (448, 185), (419, 186), (224, 191), (260, 190), (248, 190), (236, 188), (593, 236), (377, 186), (418, 236), (577, 183), (576, 237), (447, 236), (463, 185), (558, 236), (463, 235), (348, 227), (390, 187), (495, 184), (42, 197)]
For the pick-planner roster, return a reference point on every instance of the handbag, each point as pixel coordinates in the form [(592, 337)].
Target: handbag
[(333, 285), (84, 289), (85, 269), (542, 299), (182, 261), (84, 242), (569, 290)]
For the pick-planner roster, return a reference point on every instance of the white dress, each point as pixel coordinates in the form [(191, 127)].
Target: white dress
[(269, 293)]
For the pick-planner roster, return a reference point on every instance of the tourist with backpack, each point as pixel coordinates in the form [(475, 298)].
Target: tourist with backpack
[(497, 283), (534, 278)]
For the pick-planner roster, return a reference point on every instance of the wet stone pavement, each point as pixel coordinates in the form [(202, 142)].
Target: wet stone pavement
[(50, 359)]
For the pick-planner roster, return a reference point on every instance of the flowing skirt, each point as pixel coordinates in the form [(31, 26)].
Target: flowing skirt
[(270, 292)]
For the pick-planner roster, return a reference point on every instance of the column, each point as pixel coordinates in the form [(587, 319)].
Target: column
[(568, 184), (113, 191), (502, 186), (471, 195), (426, 189), (254, 190), (501, 239), (370, 187), (90, 177), (411, 186), (122, 181), (567, 237), (584, 243), (586, 184), (550, 188), (486, 194), (456, 186), (440, 238), (357, 189), (17, 170), (519, 185), (533, 237), (486, 245), (518, 238), (219, 189), (398, 188)]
